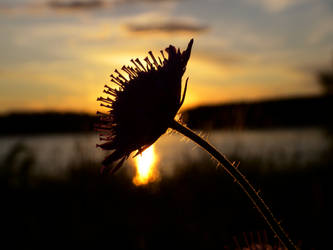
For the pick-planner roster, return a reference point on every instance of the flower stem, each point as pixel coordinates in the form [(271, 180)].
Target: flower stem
[(241, 180)]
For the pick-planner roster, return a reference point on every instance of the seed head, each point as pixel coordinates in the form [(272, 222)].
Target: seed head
[(142, 106)]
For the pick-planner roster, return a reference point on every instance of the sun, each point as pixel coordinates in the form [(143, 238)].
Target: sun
[(146, 169)]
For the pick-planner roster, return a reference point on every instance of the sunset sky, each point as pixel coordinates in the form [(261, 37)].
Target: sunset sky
[(57, 55)]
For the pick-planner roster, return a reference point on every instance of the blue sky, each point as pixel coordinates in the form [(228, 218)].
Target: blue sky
[(57, 55)]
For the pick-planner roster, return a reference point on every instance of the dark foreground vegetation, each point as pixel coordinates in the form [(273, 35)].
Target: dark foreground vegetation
[(198, 208)]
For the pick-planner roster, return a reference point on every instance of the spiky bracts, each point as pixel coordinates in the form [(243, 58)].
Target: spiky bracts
[(143, 104)]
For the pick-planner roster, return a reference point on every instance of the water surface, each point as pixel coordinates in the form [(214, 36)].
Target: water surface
[(53, 154)]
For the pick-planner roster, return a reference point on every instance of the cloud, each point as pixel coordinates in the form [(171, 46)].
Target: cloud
[(43, 6), (46, 7), (144, 1), (167, 27), (276, 5), (322, 30), (76, 4)]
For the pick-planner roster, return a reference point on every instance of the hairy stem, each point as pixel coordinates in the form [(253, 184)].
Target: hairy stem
[(241, 180)]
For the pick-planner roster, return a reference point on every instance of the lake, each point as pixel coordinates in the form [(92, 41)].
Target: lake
[(280, 148)]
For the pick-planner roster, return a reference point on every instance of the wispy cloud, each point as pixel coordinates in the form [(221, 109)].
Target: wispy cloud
[(163, 23), (276, 5), (323, 29), (144, 1), (41, 6), (45, 7), (76, 4), (167, 27)]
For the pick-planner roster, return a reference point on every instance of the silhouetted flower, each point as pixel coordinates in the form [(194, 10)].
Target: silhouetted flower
[(143, 106)]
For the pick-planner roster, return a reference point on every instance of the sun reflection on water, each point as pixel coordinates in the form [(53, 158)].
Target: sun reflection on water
[(146, 169)]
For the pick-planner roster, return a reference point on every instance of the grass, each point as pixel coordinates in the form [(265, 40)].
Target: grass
[(198, 208)]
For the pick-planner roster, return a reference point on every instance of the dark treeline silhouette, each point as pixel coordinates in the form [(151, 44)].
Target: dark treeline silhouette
[(325, 78), (292, 112), (49, 122)]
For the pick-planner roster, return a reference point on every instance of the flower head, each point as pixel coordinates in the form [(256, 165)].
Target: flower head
[(143, 106)]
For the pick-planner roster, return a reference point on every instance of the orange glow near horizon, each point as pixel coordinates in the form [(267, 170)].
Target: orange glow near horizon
[(212, 81), (146, 169)]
